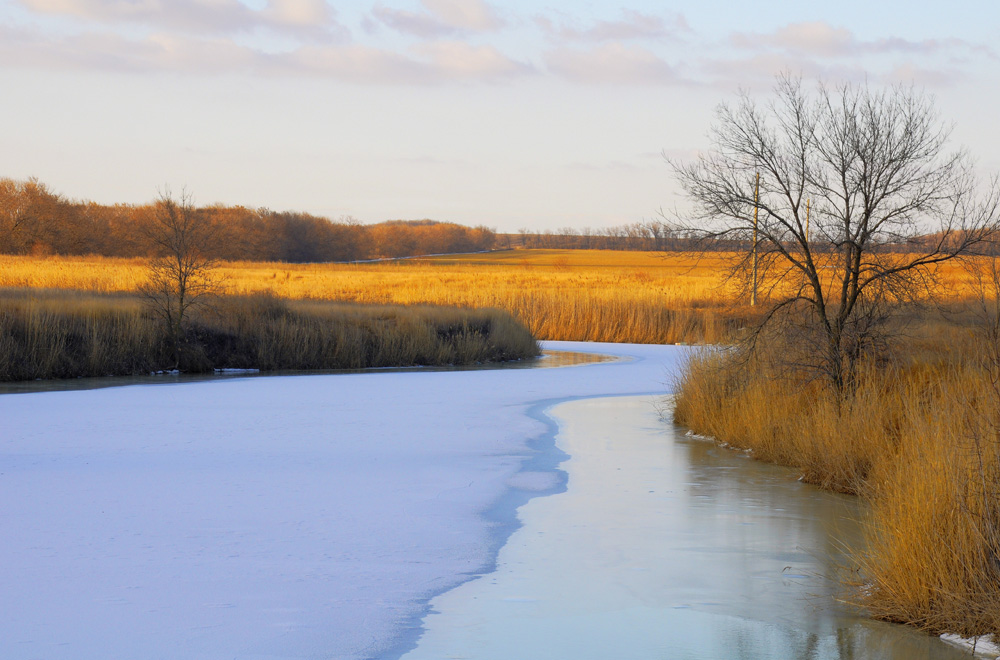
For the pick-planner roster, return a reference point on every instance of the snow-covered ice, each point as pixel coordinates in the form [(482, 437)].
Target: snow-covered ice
[(285, 517)]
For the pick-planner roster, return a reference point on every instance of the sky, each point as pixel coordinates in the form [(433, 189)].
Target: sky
[(538, 115)]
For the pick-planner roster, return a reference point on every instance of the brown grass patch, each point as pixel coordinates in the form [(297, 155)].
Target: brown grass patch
[(61, 334)]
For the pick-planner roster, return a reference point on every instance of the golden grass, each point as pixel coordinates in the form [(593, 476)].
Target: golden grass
[(585, 295), (66, 334)]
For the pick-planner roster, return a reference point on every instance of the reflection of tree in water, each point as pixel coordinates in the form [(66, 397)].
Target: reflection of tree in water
[(781, 546), (861, 640)]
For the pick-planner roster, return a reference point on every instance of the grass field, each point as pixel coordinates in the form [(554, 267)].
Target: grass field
[(581, 295)]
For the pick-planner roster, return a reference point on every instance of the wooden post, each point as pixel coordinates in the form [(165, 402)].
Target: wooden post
[(756, 198)]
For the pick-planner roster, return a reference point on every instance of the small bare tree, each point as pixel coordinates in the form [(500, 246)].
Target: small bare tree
[(181, 270), (838, 203)]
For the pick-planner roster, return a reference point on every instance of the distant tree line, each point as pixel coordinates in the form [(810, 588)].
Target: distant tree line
[(35, 220), (662, 236), (645, 236)]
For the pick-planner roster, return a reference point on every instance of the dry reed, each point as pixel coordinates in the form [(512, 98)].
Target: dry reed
[(919, 439), (58, 334)]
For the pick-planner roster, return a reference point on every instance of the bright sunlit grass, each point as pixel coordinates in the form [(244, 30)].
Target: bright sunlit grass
[(576, 295), (559, 294)]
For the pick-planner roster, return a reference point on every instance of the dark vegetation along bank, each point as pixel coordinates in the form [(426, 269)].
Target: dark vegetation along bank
[(68, 334)]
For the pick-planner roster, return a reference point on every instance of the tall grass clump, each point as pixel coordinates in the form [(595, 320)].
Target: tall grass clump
[(73, 335), (59, 334), (788, 420), (933, 549), (267, 332), (918, 437)]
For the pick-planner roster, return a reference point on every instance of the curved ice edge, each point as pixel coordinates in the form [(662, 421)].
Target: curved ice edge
[(502, 514)]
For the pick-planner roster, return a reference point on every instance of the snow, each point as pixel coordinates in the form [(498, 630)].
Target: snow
[(982, 646), (285, 517)]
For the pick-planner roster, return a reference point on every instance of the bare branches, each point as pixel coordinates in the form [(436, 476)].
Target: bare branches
[(181, 272), (887, 202)]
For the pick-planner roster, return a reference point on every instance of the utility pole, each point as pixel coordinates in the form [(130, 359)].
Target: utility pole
[(807, 221), (756, 197)]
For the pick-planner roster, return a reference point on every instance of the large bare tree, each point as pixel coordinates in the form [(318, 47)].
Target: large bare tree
[(182, 268), (839, 202)]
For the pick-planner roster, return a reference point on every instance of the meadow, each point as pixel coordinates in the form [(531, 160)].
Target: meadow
[(574, 295)]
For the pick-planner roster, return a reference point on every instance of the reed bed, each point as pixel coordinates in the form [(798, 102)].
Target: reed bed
[(65, 334), (919, 439), (575, 295)]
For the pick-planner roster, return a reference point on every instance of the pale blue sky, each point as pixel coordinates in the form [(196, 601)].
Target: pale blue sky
[(511, 114)]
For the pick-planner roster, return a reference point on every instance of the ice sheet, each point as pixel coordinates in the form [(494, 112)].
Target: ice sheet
[(291, 517)]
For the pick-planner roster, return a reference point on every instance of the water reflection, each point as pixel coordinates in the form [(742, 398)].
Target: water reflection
[(547, 360), (665, 546)]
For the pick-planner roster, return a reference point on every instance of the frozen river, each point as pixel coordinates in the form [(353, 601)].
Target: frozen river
[(373, 515), (664, 546)]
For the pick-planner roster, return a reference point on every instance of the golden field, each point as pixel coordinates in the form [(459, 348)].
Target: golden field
[(587, 295)]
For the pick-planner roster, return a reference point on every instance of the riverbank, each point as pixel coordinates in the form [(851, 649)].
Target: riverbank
[(916, 438), (67, 334)]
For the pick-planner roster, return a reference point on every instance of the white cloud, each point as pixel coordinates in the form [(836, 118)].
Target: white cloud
[(909, 73), (428, 64), (820, 39), (819, 50), (815, 37), (202, 15), (353, 63), (461, 61), (419, 24), (441, 18), (761, 68), (111, 52), (633, 25), (612, 63), (299, 12), (303, 17), (473, 15)]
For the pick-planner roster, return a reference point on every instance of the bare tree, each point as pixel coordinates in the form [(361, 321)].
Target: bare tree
[(181, 270), (24, 205), (840, 202)]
